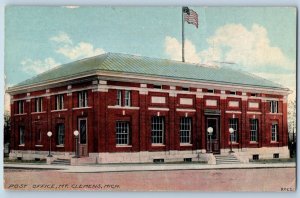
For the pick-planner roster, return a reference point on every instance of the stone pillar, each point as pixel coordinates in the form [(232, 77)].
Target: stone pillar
[(143, 138), (224, 136), (244, 128), (173, 142)]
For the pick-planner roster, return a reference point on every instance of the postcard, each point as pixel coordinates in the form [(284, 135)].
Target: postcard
[(150, 98)]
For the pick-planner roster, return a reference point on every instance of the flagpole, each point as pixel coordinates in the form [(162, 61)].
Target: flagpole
[(182, 35)]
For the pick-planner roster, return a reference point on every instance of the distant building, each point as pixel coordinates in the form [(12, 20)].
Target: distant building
[(138, 109)]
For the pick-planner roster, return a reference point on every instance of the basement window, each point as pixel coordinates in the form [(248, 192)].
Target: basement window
[(255, 157), (276, 155), (158, 160), (19, 158), (187, 159), (157, 86)]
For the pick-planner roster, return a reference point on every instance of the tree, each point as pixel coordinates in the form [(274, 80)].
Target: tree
[(6, 127)]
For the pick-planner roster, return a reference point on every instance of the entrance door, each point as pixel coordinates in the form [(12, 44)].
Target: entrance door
[(213, 140), (83, 144)]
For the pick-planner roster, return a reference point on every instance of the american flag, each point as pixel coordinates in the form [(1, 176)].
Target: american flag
[(190, 16)]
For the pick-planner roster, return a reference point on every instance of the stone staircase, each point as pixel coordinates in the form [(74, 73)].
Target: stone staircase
[(226, 159), (61, 162)]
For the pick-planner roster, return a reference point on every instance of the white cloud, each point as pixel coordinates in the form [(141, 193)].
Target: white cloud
[(71, 7), (62, 37), (81, 50), (233, 43), (38, 66), (173, 49), (74, 51), (249, 47)]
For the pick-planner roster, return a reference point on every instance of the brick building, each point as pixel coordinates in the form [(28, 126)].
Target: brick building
[(137, 109)]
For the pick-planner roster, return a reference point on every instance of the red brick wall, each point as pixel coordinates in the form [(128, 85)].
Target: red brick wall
[(101, 120)]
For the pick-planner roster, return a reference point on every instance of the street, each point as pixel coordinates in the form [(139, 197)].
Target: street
[(259, 179)]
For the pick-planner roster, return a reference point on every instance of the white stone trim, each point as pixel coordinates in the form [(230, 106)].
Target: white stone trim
[(58, 110), (60, 146), (123, 107), (20, 114), (78, 108), (38, 145), (158, 99), (103, 82), (253, 104), (237, 112), (139, 77), (233, 103), (123, 146), (186, 101), (158, 109), (39, 112), (211, 102), (185, 110), (254, 112), (143, 85), (274, 113)]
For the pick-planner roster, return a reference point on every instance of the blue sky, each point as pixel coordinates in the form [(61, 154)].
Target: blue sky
[(258, 40)]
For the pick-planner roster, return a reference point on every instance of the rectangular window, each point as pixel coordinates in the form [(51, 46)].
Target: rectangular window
[(254, 94), (60, 129), (38, 104), (39, 136), (127, 98), (274, 132), (20, 106), (233, 123), (82, 99), (274, 106), (158, 129), (232, 92), (22, 135), (253, 130), (210, 91), (185, 89), (185, 130), (122, 133), (119, 97), (59, 102), (157, 86)]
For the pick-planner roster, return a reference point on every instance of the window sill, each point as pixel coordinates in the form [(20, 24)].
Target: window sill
[(123, 146), (274, 142), (157, 145), (20, 114), (38, 112), (185, 144), (76, 108), (274, 113), (252, 142), (122, 107), (39, 145), (60, 145), (57, 110), (21, 145), (233, 143)]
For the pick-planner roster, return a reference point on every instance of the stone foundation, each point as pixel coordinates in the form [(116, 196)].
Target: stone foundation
[(244, 155)]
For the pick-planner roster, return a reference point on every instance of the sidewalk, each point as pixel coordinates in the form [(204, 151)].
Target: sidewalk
[(145, 167)]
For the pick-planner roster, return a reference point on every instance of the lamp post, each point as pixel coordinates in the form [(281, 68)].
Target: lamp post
[(76, 134), (231, 131), (210, 130), (49, 134)]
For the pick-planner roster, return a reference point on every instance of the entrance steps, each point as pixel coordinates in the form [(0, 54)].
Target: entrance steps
[(226, 159), (62, 162)]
